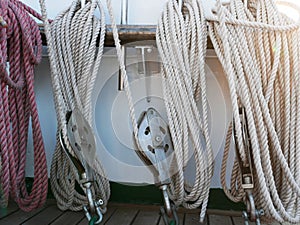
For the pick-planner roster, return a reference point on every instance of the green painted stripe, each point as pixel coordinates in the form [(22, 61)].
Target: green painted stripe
[(150, 194)]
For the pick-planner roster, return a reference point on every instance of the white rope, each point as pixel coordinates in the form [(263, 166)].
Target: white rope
[(188, 124), (181, 41), (75, 61), (260, 52)]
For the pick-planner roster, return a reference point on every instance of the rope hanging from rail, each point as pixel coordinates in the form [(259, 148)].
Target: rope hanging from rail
[(260, 53), (20, 51), (75, 61), (181, 41)]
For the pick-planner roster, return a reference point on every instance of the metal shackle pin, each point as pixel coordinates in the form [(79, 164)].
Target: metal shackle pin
[(3, 22)]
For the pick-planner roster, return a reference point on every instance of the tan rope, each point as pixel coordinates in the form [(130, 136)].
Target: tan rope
[(75, 62), (260, 54), (181, 41)]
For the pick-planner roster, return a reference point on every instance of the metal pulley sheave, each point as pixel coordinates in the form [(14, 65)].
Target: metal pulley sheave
[(81, 138), (156, 150)]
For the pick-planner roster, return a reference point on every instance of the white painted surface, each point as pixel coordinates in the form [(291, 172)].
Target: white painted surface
[(112, 124), (128, 169), (139, 12)]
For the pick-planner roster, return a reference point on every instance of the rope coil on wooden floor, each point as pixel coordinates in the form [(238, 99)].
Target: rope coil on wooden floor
[(20, 51), (261, 63)]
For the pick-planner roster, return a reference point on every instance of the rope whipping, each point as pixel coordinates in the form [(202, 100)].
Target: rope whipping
[(181, 40), (260, 52), (75, 61), (20, 51)]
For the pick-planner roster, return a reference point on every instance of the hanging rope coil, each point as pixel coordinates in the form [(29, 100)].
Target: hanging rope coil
[(75, 61), (181, 40), (193, 91), (260, 56), (20, 51)]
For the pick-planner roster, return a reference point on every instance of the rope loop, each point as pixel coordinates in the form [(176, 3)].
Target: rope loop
[(259, 50), (20, 51)]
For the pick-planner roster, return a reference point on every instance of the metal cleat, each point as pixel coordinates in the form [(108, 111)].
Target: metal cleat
[(83, 144), (252, 214), (156, 151)]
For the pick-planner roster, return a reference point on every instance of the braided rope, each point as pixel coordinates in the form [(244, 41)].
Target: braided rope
[(75, 62), (20, 46), (259, 50)]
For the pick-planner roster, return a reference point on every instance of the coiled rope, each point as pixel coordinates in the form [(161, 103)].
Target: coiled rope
[(75, 60), (20, 51), (260, 53), (181, 41), (194, 129)]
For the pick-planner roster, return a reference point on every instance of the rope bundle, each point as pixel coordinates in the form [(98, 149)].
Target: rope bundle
[(259, 50), (20, 50), (181, 40), (262, 67), (194, 90), (75, 62)]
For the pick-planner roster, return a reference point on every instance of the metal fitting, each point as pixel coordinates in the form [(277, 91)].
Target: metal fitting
[(3, 22)]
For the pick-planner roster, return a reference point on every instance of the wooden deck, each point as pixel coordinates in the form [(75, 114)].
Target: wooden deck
[(117, 214)]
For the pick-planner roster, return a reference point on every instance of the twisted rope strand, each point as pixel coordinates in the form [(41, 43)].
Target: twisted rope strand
[(75, 62), (21, 47), (181, 42), (259, 51)]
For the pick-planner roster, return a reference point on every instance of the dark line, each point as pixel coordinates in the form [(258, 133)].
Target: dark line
[(232, 222), (12, 212), (83, 217), (29, 218), (207, 219), (159, 219), (113, 213), (134, 217), (183, 219), (62, 213)]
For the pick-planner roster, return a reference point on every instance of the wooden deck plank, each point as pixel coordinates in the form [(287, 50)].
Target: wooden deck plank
[(18, 217), (219, 220), (106, 216), (192, 218), (12, 207), (45, 217), (180, 218), (240, 221), (124, 216), (69, 218), (150, 217)]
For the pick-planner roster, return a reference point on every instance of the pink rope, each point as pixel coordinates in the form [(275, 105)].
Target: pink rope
[(21, 47)]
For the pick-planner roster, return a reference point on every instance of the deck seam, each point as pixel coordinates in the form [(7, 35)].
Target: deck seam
[(12, 212), (61, 214), (106, 221), (135, 216), (35, 214)]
